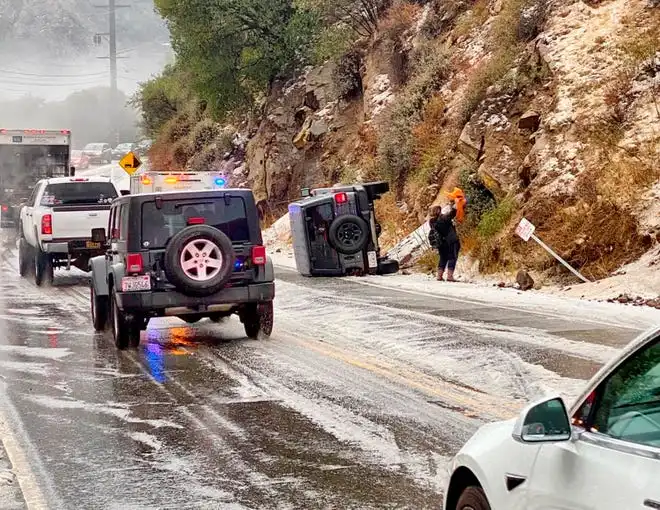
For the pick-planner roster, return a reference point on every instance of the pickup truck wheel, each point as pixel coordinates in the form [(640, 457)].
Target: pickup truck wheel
[(199, 260), (99, 306), (43, 268), (473, 498), (124, 332), (258, 319), (25, 257)]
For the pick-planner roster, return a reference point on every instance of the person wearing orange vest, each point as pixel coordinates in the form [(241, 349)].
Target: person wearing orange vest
[(448, 242)]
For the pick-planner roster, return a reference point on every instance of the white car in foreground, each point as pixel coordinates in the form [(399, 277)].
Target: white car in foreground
[(606, 456)]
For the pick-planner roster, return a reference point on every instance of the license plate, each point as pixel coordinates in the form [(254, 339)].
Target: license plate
[(371, 257), (135, 283), (92, 245)]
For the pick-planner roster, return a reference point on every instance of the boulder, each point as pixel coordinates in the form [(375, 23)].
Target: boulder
[(530, 121), (318, 128), (470, 144), (524, 280)]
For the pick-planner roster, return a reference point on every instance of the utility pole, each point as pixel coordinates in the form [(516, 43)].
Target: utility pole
[(112, 37)]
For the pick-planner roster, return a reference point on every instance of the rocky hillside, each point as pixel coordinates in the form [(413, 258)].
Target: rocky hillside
[(548, 110)]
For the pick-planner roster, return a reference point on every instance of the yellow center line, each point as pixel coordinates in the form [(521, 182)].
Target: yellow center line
[(468, 400)]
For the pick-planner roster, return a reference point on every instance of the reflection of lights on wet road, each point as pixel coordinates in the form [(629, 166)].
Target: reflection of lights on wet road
[(52, 336), (153, 353)]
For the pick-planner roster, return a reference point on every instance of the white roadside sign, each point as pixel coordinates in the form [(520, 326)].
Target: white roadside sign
[(525, 229)]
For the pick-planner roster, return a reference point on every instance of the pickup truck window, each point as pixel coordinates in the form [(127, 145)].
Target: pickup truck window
[(227, 215), (79, 193)]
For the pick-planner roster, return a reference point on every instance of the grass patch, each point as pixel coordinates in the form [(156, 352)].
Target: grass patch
[(471, 19), (494, 220), (396, 147), (428, 261)]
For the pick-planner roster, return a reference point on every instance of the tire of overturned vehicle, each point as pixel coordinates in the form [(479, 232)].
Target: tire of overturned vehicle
[(348, 234), (199, 260)]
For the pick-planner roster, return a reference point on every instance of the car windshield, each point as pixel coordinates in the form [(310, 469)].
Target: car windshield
[(77, 193), (226, 214), (123, 146), (94, 147)]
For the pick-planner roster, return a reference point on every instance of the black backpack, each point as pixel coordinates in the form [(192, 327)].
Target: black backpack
[(433, 236)]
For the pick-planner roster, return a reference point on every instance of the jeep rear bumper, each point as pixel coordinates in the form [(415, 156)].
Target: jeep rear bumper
[(175, 303)]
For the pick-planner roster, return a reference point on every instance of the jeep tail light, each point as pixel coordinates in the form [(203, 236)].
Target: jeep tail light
[(341, 198), (196, 221), (134, 263), (47, 224), (5, 208), (259, 255)]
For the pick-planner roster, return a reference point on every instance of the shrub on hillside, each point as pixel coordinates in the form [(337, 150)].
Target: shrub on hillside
[(204, 134), (399, 18), (479, 198), (493, 220), (396, 145)]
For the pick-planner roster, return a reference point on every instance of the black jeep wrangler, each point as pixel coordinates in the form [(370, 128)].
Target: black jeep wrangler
[(189, 254)]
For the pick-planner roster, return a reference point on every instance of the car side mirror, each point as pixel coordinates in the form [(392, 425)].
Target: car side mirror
[(543, 422), (98, 235), (125, 192)]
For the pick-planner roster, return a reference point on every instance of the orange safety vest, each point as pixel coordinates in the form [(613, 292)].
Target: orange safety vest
[(459, 199)]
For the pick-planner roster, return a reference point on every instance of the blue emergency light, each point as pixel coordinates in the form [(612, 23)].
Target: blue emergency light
[(221, 182)]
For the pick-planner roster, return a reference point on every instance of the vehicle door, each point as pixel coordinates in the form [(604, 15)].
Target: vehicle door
[(613, 462), (318, 218), (27, 215)]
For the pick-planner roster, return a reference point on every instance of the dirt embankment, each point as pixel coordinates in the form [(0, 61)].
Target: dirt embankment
[(547, 110)]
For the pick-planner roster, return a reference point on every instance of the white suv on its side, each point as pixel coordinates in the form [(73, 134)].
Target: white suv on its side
[(603, 453)]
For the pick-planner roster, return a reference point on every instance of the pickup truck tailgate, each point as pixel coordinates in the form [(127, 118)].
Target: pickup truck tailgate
[(77, 222)]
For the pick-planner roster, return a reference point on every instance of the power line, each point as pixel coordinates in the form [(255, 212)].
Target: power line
[(20, 73)]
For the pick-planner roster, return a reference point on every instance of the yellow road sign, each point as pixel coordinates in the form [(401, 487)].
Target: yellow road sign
[(130, 163)]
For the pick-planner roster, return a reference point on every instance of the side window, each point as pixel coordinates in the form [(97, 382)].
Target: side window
[(123, 222), (114, 231), (628, 401), (35, 192)]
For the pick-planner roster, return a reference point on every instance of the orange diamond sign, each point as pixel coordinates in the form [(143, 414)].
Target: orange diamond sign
[(130, 163)]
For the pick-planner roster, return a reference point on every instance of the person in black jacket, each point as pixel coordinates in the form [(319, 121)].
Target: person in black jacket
[(447, 241)]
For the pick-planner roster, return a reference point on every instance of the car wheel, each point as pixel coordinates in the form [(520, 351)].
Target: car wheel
[(473, 498), (258, 319), (348, 234), (99, 306), (388, 266), (199, 260), (43, 269), (25, 257), (123, 331)]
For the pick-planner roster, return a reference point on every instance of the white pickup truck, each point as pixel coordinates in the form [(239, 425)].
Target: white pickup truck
[(56, 224)]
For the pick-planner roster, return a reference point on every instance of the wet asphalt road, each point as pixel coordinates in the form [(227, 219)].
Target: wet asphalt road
[(358, 400)]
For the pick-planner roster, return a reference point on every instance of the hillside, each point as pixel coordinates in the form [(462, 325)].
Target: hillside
[(539, 109)]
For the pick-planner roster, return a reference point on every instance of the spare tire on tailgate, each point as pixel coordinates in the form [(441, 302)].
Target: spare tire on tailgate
[(199, 260)]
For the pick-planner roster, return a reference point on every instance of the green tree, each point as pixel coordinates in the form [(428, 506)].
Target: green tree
[(233, 49)]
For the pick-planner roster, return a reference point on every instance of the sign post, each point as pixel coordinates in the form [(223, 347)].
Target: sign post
[(525, 230), (130, 163)]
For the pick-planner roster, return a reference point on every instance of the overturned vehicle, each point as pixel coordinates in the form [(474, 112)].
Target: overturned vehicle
[(335, 231)]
